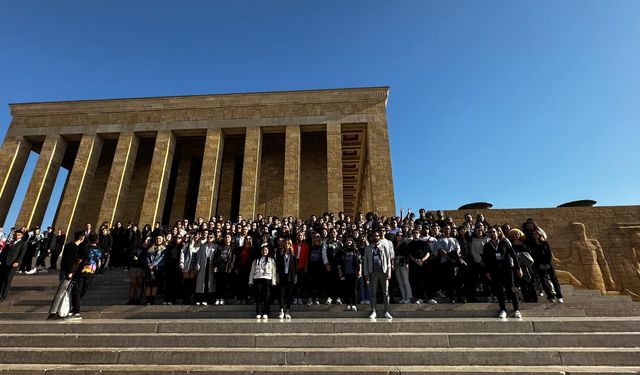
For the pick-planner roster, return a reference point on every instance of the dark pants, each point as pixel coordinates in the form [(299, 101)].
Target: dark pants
[(6, 276), (417, 279), (263, 291), (549, 276), (503, 282), (55, 253), (379, 279), (189, 287), (26, 261), (223, 285), (349, 289), (286, 290), (81, 285), (315, 280), (41, 258), (173, 283)]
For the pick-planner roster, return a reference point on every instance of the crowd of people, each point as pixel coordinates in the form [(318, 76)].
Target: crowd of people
[(327, 259)]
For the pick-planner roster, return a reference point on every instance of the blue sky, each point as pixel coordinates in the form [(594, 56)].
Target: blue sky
[(519, 103)]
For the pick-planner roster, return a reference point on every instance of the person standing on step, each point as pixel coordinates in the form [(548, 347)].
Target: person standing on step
[(377, 272), (205, 280), (223, 262), (137, 264), (154, 268), (69, 261), (286, 267), (189, 265), (349, 269), (89, 257), (543, 264), (331, 250), (10, 259), (262, 277), (500, 264)]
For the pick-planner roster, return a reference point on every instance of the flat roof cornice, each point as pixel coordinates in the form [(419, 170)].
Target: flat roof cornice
[(201, 101)]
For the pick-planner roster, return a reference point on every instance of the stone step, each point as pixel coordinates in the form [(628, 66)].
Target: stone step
[(317, 326), (42, 314), (322, 340), (318, 356), (59, 369)]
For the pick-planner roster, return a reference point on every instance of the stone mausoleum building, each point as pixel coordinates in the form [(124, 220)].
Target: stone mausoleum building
[(162, 159)]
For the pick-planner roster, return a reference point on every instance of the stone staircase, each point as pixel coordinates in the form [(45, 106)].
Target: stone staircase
[(589, 333)]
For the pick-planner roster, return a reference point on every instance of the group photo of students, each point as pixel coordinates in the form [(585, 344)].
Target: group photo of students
[(360, 262)]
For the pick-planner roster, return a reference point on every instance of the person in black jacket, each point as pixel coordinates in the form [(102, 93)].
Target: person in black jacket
[(10, 259), (286, 275), (542, 256), (501, 262), (69, 261)]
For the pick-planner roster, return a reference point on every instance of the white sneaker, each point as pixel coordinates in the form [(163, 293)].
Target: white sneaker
[(354, 308), (258, 316), (265, 317), (317, 302), (560, 300), (502, 315), (217, 302), (517, 315), (198, 304), (328, 301), (419, 301), (387, 315), (338, 301), (432, 301), (221, 302), (373, 315), (287, 316), (31, 271), (349, 308), (204, 304), (281, 315), (309, 302)]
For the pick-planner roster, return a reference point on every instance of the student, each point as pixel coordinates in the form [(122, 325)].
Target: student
[(263, 276), (501, 261), (286, 267), (377, 271), (10, 259), (89, 263)]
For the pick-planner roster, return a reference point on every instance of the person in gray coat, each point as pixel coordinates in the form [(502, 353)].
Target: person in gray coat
[(205, 280), (377, 271)]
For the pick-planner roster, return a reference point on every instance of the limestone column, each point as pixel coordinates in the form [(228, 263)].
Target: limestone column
[(155, 193), (250, 172), (334, 167), (42, 181), (13, 158), (291, 201), (210, 175), (379, 159), (119, 177), (181, 190), (78, 182)]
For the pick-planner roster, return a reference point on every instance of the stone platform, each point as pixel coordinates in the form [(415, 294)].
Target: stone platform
[(590, 333)]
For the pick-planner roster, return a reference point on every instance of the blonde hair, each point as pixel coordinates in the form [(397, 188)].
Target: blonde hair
[(512, 234)]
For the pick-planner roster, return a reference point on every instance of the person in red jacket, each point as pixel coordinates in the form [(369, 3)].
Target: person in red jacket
[(301, 251)]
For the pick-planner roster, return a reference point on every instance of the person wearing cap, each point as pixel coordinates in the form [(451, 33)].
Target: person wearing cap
[(10, 259)]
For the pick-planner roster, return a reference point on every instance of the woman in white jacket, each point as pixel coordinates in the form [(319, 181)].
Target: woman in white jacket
[(262, 277)]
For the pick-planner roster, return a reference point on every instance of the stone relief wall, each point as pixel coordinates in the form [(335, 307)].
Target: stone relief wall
[(594, 247)]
